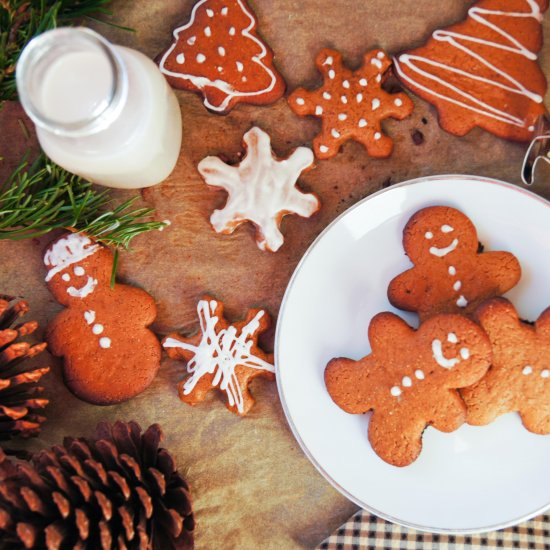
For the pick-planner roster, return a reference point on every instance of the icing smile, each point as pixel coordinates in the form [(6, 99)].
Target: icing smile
[(83, 291), (439, 356), (440, 252)]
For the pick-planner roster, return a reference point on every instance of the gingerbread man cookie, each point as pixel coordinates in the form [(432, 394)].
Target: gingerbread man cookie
[(262, 189), (483, 71), (449, 274), (519, 377), (222, 356), (351, 104), (410, 380), (108, 353), (219, 54)]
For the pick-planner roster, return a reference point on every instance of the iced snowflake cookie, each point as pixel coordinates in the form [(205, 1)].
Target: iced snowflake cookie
[(222, 356), (219, 54), (351, 104), (519, 377), (483, 71), (262, 189), (449, 275), (410, 380), (108, 353)]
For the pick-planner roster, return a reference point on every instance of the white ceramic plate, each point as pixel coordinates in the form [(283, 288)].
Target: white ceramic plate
[(475, 479)]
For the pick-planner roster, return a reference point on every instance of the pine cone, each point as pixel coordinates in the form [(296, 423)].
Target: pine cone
[(119, 490), (19, 393)]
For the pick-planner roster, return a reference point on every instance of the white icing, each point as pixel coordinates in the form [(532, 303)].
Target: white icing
[(359, 97), (207, 31), (326, 95), (527, 370), (461, 302), (331, 74), (419, 374), (377, 135), (378, 78), (460, 41), (452, 270), (335, 133), (260, 188), (97, 329), (318, 110), (328, 60), (440, 252), (376, 62), (457, 285), (191, 41), (380, 55), (465, 353), (345, 83), (202, 81), (300, 101), (224, 10), (446, 228), (210, 12), (221, 50), (442, 361), (452, 338), (375, 104), (89, 316), (105, 342), (180, 58), (406, 382), (219, 354), (363, 82), (429, 235), (83, 291), (362, 123), (79, 271), (323, 148), (545, 373), (395, 391), (344, 99), (66, 251), (398, 102), (240, 66), (66, 277), (201, 58), (342, 116)]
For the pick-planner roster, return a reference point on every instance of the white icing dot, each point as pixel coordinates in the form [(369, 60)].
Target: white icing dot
[(398, 102), (318, 110), (331, 74), (376, 62), (342, 116), (207, 31), (97, 329), (452, 270), (531, 128), (527, 370), (345, 83), (328, 60), (326, 95), (462, 302), (419, 374), (359, 98), (362, 123), (457, 285), (323, 148), (395, 391), (89, 316), (191, 40), (380, 55), (180, 58), (452, 337), (343, 99), (105, 342), (375, 104), (545, 373), (224, 10), (407, 382), (79, 271), (363, 82), (378, 78), (232, 31), (220, 69), (377, 136), (221, 50), (429, 235), (300, 101), (210, 12), (240, 66), (66, 277), (446, 228), (335, 133), (244, 79), (201, 58), (464, 353)]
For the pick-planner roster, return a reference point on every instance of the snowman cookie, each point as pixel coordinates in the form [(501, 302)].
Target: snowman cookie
[(108, 353), (450, 274), (410, 380)]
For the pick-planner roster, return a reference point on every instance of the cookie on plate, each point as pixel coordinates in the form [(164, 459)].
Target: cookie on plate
[(519, 377), (219, 54), (410, 380), (450, 274)]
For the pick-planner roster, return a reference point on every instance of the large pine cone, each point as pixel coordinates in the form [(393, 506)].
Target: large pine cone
[(19, 393), (119, 490)]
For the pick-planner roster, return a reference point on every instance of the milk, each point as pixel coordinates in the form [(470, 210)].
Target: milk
[(105, 113)]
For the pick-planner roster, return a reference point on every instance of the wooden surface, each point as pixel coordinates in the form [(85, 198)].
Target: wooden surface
[(253, 487)]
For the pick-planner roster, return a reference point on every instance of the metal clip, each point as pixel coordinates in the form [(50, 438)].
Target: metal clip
[(538, 150)]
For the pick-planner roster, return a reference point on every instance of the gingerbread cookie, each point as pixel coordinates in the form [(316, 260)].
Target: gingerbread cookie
[(351, 104), (108, 353), (262, 189), (223, 356), (410, 380), (219, 54), (519, 377), (449, 274), (484, 71)]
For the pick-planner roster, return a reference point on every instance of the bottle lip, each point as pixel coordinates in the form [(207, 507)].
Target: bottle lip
[(107, 112)]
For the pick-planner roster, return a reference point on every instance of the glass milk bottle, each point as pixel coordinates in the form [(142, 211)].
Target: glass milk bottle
[(101, 111)]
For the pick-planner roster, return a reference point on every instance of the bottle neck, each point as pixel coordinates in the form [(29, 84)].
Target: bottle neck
[(71, 82)]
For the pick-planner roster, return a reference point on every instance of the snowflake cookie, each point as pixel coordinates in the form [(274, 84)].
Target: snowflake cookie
[(351, 104), (262, 189), (223, 356)]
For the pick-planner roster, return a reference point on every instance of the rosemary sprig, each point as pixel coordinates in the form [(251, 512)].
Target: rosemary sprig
[(41, 197), (22, 20)]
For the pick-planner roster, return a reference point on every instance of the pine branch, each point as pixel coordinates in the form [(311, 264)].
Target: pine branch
[(42, 197), (22, 20)]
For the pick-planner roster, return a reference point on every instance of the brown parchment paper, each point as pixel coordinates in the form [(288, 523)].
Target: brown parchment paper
[(252, 486)]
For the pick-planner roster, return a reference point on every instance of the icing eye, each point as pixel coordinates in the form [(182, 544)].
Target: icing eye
[(79, 271), (446, 228), (452, 338), (429, 235), (66, 277)]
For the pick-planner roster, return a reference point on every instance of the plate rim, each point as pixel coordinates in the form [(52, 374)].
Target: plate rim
[(295, 433)]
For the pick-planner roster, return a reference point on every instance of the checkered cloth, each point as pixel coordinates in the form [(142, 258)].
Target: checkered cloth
[(364, 531)]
